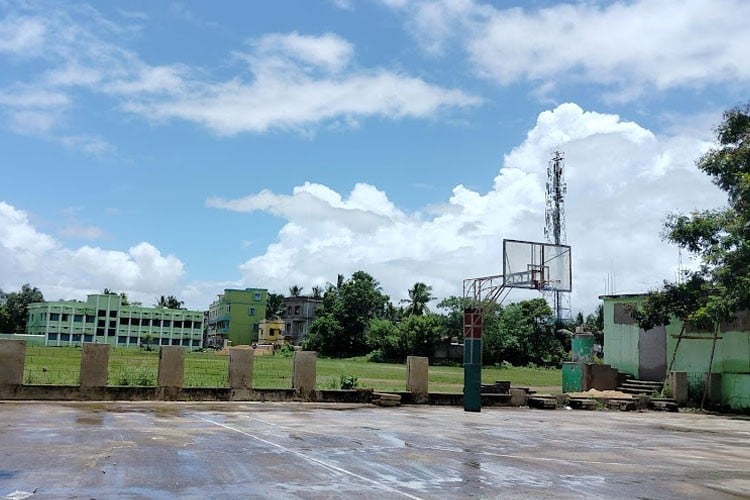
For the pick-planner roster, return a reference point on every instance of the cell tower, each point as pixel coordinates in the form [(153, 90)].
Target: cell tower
[(554, 228)]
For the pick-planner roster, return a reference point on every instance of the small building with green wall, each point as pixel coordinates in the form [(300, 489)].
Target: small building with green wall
[(236, 315), (646, 355), (104, 318)]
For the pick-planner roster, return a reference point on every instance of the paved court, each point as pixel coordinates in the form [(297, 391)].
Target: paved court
[(254, 450)]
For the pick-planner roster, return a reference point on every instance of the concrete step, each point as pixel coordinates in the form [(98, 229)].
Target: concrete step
[(499, 387), (642, 383), (663, 404), (637, 390), (585, 404), (542, 403), (385, 399), (622, 405), (633, 386)]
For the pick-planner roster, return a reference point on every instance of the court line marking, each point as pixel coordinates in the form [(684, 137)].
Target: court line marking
[(314, 460)]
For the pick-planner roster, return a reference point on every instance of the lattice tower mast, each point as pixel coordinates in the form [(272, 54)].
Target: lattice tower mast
[(555, 230)]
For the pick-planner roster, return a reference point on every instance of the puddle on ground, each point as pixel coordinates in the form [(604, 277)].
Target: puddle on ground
[(90, 420), (7, 474)]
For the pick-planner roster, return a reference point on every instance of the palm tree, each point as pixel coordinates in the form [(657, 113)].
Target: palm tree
[(317, 292), (340, 279), (295, 290), (419, 296), (169, 302), (275, 306)]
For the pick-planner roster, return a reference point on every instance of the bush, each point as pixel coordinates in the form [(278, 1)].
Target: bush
[(286, 351), (376, 356), (348, 382), (136, 377), (414, 336)]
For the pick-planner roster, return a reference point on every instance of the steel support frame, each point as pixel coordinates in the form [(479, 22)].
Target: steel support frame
[(476, 293)]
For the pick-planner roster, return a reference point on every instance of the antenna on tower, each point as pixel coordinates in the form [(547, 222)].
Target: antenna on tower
[(555, 230)]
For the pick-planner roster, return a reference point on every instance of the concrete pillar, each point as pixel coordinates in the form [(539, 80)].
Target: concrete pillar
[(416, 377), (714, 388), (304, 372), (12, 354), (171, 366), (241, 368), (518, 397), (678, 384), (94, 365)]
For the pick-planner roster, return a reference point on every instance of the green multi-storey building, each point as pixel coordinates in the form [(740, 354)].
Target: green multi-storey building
[(235, 316), (104, 319)]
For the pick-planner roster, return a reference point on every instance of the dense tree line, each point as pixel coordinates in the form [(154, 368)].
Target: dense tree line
[(357, 318)]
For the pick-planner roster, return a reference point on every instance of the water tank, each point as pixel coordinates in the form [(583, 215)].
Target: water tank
[(583, 348)]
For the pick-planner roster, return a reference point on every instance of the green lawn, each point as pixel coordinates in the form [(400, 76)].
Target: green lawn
[(127, 366)]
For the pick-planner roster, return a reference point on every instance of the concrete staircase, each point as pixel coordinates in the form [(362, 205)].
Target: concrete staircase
[(645, 387)]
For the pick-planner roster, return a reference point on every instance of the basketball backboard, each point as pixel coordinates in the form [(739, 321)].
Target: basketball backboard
[(537, 266)]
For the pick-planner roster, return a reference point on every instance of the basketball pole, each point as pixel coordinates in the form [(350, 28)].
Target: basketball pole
[(528, 268), (473, 359)]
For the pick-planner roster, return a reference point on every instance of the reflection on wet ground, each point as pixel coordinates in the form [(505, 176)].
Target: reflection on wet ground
[(241, 450)]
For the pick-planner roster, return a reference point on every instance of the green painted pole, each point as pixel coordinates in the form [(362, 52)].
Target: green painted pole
[(473, 359)]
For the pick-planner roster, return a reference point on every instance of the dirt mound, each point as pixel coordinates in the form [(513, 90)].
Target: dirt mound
[(594, 393)]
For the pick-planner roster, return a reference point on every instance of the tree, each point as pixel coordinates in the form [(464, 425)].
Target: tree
[(419, 295), (147, 340), (5, 326), (719, 238), (454, 317), (414, 336), (295, 290), (522, 333), (421, 334), (596, 319), (169, 302), (317, 292), (347, 310), (579, 321), (384, 341), (16, 308), (340, 279), (325, 336), (274, 306)]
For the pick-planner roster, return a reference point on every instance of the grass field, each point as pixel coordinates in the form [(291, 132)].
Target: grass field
[(61, 365)]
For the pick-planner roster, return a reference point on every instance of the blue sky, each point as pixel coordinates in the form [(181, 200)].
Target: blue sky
[(181, 148)]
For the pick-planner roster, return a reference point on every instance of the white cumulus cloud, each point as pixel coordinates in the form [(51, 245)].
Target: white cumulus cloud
[(626, 47), (622, 181), (294, 82), (282, 81), (30, 256)]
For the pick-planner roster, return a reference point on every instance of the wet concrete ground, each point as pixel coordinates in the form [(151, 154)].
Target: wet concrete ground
[(267, 450)]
